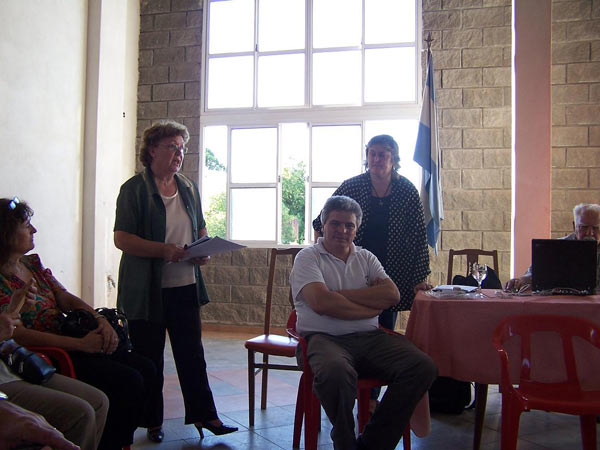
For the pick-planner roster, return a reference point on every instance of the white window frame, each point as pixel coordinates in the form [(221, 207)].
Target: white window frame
[(313, 115)]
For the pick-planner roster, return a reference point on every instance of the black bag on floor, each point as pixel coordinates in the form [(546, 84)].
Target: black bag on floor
[(449, 396)]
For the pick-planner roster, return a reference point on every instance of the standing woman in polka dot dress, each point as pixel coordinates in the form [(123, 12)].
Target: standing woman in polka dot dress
[(393, 226)]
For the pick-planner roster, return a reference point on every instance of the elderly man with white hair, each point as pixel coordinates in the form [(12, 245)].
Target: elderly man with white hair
[(586, 225)]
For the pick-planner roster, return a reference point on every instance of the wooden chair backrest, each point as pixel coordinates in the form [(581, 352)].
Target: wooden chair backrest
[(275, 252), (472, 255)]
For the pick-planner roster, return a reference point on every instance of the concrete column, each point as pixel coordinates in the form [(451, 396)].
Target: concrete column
[(531, 116)]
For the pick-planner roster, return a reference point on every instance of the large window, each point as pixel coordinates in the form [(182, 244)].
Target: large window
[(292, 91)]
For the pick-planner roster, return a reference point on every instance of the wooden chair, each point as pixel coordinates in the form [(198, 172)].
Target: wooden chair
[(565, 396), (308, 408), (481, 390), (472, 255), (268, 343)]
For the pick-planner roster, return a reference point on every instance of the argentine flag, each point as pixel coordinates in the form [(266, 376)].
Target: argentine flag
[(427, 155)]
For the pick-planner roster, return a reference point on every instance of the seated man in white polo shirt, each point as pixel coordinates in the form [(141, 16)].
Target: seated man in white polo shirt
[(339, 291)]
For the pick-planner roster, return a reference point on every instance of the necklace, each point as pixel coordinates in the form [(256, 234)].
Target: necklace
[(380, 197)]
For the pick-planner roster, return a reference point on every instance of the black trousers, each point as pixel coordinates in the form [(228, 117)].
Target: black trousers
[(182, 321), (123, 377)]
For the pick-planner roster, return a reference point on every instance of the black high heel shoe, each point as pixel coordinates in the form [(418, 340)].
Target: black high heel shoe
[(217, 430), (155, 434)]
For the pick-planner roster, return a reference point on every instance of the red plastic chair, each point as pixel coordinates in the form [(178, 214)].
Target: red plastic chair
[(61, 359), (269, 343), (57, 357), (309, 408), (565, 397)]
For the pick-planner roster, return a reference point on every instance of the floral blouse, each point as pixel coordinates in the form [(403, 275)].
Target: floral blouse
[(44, 314)]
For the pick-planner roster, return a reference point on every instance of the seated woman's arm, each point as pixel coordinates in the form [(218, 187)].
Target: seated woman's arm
[(102, 339), (90, 343)]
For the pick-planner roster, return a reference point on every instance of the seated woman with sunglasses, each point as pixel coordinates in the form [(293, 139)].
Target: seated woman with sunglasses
[(123, 377)]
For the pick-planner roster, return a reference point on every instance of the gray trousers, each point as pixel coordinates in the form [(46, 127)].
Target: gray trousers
[(338, 361), (76, 409)]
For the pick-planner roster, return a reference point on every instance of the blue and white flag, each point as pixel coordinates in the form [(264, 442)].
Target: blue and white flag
[(427, 155)]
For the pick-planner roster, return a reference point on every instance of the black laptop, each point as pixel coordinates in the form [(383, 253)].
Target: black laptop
[(565, 267)]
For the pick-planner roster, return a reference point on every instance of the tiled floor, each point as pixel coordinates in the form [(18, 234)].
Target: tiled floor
[(227, 362)]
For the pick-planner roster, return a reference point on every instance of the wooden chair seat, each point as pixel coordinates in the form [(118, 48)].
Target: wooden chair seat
[(274, 344)]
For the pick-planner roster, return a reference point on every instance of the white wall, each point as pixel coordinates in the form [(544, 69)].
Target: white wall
[(42, 60), (109, 158), (68, 75)]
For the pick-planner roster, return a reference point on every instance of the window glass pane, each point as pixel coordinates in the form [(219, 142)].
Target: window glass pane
[(404, 133), (254, 155), (319, 196), (253, 214), (231, 26), (281, 80), (230, 82), (390, 74), (214, 180), (336, 153), (281, 25), (294, 149), (389, 21), (337, 23), (337, 78)]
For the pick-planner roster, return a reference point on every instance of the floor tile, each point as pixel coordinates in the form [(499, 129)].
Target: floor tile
[(228, 375)]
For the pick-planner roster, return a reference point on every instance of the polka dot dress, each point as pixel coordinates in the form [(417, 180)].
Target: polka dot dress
[(407, 255)]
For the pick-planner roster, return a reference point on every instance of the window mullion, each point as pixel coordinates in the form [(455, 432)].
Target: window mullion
[(255, 86), (308, 47)]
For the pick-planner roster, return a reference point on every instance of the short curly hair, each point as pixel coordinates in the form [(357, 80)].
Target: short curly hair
[(387, 141), (341, 203), (158, 131), (12, 214)]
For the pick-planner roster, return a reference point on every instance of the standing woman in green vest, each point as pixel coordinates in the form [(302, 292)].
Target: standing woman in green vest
[(158, 212)]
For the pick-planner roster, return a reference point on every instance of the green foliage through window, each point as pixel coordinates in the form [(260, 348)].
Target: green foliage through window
[(293, 199)]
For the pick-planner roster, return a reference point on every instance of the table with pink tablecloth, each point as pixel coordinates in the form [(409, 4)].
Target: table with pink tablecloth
[(457, 333)]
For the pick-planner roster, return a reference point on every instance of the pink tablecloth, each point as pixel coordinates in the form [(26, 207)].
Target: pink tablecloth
[(457, 332)]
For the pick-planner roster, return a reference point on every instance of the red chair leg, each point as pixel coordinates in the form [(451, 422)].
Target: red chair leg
[(588, 432), (312, 415), (363, 400), (406, 438), (299, 414), (511, 416)]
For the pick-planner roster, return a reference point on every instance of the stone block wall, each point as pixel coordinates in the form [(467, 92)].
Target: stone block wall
[(237, 284), (472, 58), (472, 55), (575, 109), (170, 55)]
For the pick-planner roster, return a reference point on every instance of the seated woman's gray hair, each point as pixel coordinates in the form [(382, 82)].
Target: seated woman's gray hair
[(341, 203)]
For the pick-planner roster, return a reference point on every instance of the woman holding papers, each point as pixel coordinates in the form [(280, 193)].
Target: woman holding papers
[(158, 213)]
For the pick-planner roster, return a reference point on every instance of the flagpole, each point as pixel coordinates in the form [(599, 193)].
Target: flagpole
[(427, 155)]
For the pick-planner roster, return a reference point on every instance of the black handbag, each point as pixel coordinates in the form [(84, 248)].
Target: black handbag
[(79, 322), (25, 363)]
